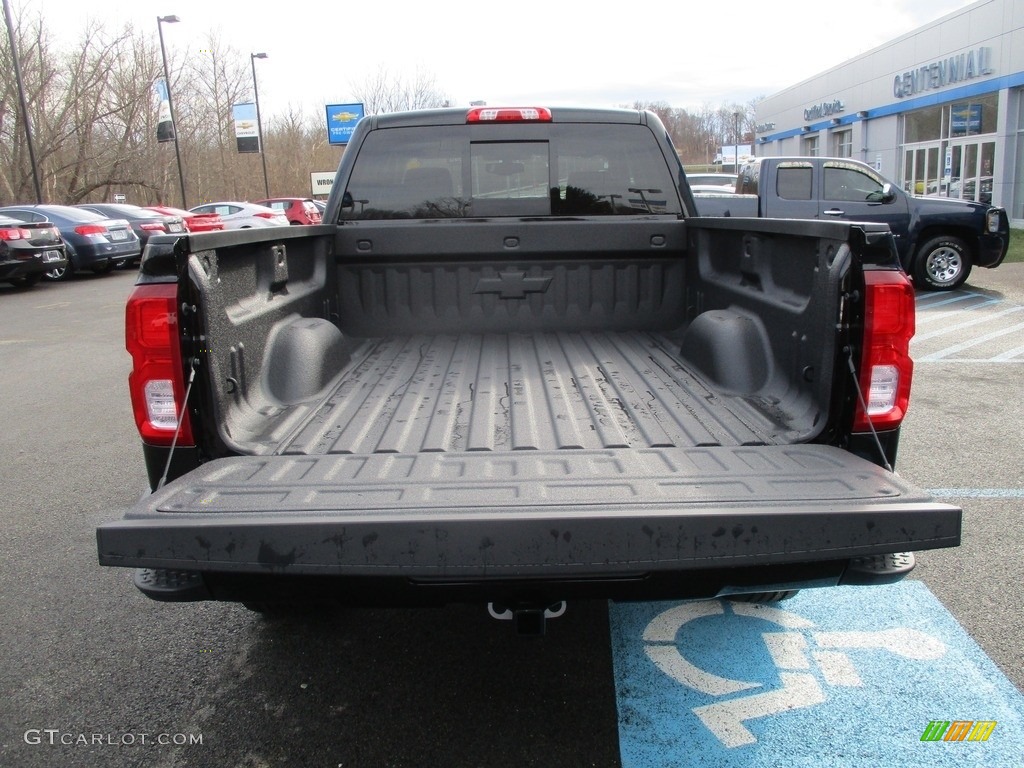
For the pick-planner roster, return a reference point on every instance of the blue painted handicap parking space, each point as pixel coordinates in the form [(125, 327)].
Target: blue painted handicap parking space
[(846, 676)]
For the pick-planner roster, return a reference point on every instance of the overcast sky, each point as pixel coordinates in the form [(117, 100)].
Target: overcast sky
[(542, 52)]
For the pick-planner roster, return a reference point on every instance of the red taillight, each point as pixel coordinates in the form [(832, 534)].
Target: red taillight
[(156, 382), (11, 234), (157, 227), (886, 367), (508, 115), (90, 229)]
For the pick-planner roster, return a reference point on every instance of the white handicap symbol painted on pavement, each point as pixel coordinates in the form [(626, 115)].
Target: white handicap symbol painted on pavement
[(790, 652)]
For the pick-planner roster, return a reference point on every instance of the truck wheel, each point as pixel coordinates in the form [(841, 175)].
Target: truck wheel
[(763, 597), (942, 264)]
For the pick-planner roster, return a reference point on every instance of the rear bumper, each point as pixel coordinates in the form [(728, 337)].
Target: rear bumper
[(692, 521), (167, 585), (32, 264), (92, 255)]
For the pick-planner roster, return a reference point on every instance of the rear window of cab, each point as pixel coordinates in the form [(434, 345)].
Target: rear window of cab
[(486, 171)]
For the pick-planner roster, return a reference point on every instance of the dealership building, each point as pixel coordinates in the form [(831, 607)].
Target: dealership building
[(939, 111)]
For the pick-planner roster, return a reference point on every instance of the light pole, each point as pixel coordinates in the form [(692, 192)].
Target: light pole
[(736, 157), (160, 21), (259, 119), (23, 102)]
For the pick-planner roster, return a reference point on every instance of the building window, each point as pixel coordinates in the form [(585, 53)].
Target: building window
[(811, 146), (969, 117), (949, 149), (842, 143)]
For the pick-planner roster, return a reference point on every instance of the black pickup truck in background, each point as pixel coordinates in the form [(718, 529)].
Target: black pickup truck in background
[(938, 240), (510, 367)]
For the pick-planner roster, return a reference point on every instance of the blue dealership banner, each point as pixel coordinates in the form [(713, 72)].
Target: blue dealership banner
[(164, 125), (247, 136), (965, 119), (341, 121)]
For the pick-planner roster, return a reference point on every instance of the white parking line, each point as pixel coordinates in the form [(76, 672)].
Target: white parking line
[(934, 300), (1009, 355), (945, 353), (967, 324), (925, 316)]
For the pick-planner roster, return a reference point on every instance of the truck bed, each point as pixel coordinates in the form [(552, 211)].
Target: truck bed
[(636, 416), (502, 392)]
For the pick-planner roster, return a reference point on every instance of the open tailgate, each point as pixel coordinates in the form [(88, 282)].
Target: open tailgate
[(519, 514)]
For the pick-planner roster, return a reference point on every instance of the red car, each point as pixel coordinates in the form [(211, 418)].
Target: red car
[(194, 222), (299, 210)]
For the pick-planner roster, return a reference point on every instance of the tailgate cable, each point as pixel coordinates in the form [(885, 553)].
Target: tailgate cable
[(177, 427), (864, 406)]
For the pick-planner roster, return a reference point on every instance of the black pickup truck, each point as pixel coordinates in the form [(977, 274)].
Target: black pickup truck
[(938, 240), (513, 368)]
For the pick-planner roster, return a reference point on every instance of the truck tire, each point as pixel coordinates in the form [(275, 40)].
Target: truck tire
[(942, 264)]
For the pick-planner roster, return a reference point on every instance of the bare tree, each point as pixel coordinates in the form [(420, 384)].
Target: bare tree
[(38, 74), (384, 92), (94, 120), (213, 80)]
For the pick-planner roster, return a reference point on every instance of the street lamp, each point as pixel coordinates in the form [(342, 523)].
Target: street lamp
[(160, 21), (259, 120), (736, 157), (24, 103)]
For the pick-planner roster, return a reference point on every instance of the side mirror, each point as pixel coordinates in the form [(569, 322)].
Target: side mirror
[(886, 195), (347, 201)]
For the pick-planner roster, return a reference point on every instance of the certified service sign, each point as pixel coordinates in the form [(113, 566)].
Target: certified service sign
[(341, 121)]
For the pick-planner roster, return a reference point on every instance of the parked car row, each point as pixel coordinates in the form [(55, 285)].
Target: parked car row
[(91, 241), (297, 210), (56, 241), (238, 215)]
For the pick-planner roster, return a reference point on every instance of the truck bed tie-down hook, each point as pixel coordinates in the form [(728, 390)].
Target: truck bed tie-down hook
[(864, 407), (177, 427)]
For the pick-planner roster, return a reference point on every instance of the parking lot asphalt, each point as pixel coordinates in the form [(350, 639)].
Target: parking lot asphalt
[(92, 673)]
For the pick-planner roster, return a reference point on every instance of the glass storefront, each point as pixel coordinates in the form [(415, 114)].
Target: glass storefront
[(1016, 210), (949, 150)]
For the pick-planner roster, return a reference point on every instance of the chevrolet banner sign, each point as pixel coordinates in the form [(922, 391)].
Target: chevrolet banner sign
[(164, 124), (341, 121)]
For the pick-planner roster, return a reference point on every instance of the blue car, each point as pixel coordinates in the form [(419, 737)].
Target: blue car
[(92, 241)]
